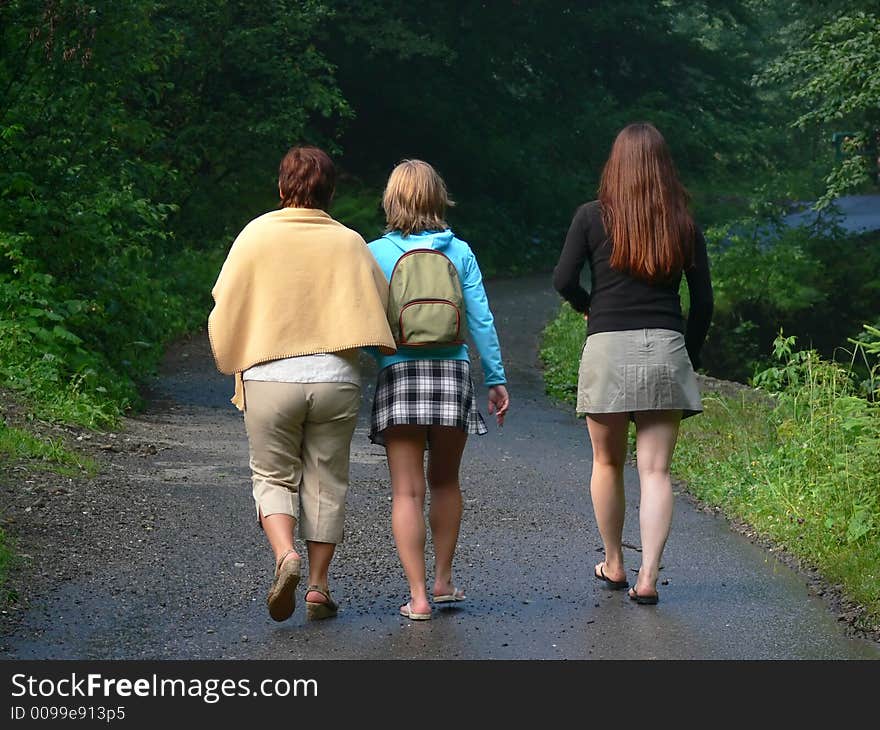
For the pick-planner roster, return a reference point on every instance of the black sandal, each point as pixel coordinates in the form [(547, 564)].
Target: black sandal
[(614, 585), (643, 600)]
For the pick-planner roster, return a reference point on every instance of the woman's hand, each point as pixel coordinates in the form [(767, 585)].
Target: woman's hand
[(499, 402)]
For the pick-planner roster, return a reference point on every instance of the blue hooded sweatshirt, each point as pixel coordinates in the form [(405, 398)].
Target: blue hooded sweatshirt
[(481, 325)]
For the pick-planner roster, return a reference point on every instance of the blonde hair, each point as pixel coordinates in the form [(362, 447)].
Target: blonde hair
[(415, 199)]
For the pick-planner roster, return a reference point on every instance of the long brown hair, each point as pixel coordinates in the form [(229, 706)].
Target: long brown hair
[(645, 206)]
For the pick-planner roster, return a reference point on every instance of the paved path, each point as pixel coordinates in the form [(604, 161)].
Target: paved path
[(185, 570)]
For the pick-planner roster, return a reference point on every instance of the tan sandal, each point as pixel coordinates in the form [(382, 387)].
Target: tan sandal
[(456, 596), (317, 610), (282, 595), (412, 615)]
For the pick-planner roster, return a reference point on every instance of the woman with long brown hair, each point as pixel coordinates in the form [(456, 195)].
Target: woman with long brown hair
[(639, 359)]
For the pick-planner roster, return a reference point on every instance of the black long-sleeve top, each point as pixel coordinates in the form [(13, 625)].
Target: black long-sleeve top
[(619, 301)]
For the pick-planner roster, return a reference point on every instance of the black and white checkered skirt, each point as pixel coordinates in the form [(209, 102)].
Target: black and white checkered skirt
[(427, 393)]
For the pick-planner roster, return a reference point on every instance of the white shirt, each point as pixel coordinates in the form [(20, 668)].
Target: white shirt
[(341, 367)]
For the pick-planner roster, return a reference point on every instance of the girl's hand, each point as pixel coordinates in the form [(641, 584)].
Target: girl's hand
[(499, 402)]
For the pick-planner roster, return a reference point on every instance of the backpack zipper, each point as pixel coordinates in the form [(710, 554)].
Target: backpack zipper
[(419, 250), (429, 301)]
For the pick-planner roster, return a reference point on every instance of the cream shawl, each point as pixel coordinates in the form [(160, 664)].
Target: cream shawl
[(295, 282)]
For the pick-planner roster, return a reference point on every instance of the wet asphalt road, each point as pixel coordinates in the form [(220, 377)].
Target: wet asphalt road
[(189, 581)]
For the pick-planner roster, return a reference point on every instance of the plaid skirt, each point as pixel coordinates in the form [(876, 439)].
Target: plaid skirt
[(425, 393)]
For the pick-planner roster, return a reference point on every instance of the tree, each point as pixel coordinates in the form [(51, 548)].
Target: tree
[(132, 134), (833, 72), (517, 103)]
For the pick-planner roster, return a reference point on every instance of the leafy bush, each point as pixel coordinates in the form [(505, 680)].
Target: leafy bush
[(120, 186), (831, 73), (359, 206), (817, 283), (801, 468)]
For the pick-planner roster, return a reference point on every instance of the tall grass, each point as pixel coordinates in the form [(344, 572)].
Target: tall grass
[(802, 468)]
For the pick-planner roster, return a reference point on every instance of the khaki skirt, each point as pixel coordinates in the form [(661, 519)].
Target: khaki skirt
[(637, 370)]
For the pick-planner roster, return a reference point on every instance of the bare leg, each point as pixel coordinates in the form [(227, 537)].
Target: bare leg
[(656, 434), (405, 447), (279, 529), (444, 460), (320, 555), (608, 434)]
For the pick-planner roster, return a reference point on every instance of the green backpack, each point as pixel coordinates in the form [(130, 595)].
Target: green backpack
[(425, 300)]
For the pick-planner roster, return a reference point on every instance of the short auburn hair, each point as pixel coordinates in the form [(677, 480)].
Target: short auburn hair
[(306, 178), (415, 199), (645, 207)]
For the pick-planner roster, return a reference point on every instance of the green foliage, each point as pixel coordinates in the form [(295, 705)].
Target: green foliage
[(517, 104), (832, 72), (802, 468), (867, 350), (239, 83), (50, 454), (359, 207), (836, 68), (818, 283), (133, 138), (561, 348)]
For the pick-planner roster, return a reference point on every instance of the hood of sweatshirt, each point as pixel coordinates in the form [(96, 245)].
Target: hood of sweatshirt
[(429, 239)]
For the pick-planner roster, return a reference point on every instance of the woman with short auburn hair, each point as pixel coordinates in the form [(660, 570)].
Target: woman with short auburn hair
[(638, 362), (424, 394), (282, 325)]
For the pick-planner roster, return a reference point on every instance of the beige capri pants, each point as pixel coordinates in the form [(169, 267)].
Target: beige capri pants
[(299, 436)]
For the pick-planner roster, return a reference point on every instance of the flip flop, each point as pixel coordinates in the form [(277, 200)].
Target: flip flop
[(643, 600), (614, 585), (456, 596), (410, 614)]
